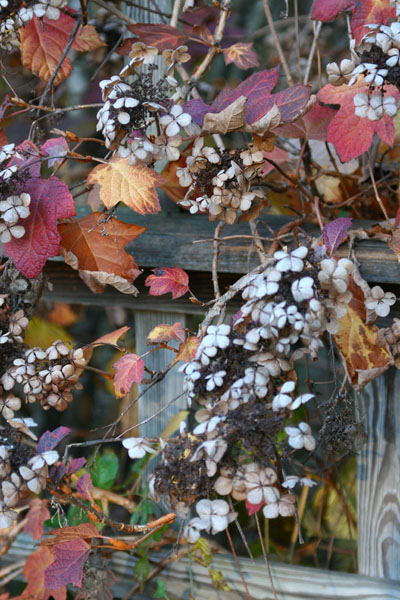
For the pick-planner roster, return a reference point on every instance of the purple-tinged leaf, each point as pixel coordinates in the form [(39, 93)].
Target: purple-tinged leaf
[(68, 565), (50, 439), (335, 232), (84, 486), (58, 472), (197, 108), (56, 149), (76, 464)]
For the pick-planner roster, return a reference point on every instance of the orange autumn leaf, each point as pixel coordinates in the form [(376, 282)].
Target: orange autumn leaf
[(110, 339), (43, 42), (34, 569), (187, 350), (95, 247), (164, 333), (128, 370), (356, 341), (85, 531), (242, 55), (134, 185)]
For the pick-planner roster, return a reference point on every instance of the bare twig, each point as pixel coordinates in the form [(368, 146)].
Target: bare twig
[(317, 30), (261, 538), (115, 11), (262, 255), (175, 13), (277, 42), (216, 248), (237, 564), (377, 196)]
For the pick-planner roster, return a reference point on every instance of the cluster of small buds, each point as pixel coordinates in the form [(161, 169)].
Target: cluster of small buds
[(131, 108), (47, 376), (14, 14), (377, 59), (22, 471), (12, 211), (219, 181)]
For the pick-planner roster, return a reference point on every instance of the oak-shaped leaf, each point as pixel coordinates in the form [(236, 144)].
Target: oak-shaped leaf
[(128, 370), (163, 37), (43, 42), (363, 13), (68, 564), (242, 55), (50, 201), (135, 185), (356, 342), (188, 349), (37, 514), (94, 245), (34, 573), (110, 339), (50, 439), (168, 280), (84, 486), (312, 126), (352, 135), (164, 333), (335, 232)]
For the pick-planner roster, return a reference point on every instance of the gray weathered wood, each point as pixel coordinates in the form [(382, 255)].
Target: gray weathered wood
[(291, 582), (378, 493)]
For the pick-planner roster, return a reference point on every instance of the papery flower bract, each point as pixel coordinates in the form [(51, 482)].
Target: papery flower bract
[(215, 515), (137, 447), (300, 437)]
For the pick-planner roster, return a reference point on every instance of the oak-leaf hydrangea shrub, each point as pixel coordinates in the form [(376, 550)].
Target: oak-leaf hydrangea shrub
[(241, 381)]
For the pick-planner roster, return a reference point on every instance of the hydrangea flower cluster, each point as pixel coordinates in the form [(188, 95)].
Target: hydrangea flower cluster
[(219, 181), (14, 14), (130, 108), (243, 381), (23, 470), (377, 59)]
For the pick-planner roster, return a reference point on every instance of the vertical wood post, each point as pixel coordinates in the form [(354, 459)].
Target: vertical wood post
[(378, 481)]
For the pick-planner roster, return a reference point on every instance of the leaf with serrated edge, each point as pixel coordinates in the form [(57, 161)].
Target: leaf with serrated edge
[(164, 333), (166, 280), (68, 565), (134, 185), (43, 42), (129, 370), (242, 55)]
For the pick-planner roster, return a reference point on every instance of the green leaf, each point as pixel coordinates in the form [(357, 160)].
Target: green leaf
[(161, 591), (141, 570), (76, 516), (105, 470), (218, 580)]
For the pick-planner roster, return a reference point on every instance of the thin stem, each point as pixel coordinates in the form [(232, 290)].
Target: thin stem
[(237, 564), (175, 13), (317, 30), (377, 196), (277, 42), (260, 536), (115, 11), (216, 248)]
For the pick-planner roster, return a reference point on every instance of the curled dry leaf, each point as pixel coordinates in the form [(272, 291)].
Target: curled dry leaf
[(110, 339), (134, 185), (229, 119)]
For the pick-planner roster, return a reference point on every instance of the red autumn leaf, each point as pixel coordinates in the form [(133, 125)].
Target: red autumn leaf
[(313, 126), (50, 439), (95, 245), (365, 12), (163, 37), (30, 158), (50, 201), (187, 350), (242, 55), (56, 149), (84, 486), (68, 565), (36, 516), (253, 508), (67, 534), (165, 333), (335, 232), (76, 464), (128, 370), (110, 339), (352, 135), (43, 42), (166, 280), (34, 573)]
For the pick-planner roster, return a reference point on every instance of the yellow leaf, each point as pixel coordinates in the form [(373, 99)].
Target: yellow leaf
[(43, 333), (135, 185)]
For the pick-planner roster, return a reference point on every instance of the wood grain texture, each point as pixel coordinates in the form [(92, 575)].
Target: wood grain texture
[(291, 582), (378, 481)]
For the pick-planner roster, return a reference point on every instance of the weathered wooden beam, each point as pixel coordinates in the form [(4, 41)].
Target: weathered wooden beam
[(291, 582)]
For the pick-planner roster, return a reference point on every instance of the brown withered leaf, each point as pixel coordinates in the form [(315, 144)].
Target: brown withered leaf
[(187, 350), (394, 243), (95, 246), (242, 55), (230, 118), (163, 37), (110, 339), (164, 333), (84, 531), (356, 341)]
